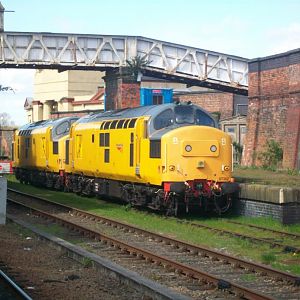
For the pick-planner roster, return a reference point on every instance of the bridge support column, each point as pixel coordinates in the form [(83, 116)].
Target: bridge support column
[(121, 88)]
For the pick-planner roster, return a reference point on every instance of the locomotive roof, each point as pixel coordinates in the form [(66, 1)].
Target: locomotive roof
[(55, 123), (126, 113), (44, 123)]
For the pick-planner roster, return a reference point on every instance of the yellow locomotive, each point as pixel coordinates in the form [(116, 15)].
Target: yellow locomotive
[(161, 156)]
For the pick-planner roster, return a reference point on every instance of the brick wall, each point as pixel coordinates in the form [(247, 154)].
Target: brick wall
[(212, 102), (121, 89), (284, 213), (274, 107)]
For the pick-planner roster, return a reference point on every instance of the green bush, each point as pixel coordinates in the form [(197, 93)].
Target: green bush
[(272, 157), (238, 150), (268, 258)]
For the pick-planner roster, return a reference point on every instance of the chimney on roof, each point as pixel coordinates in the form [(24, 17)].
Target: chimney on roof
[(1, 17)]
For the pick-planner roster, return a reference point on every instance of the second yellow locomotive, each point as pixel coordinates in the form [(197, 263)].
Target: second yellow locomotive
[(162, 156)]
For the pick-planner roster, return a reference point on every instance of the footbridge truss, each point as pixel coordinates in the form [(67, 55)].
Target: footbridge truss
[(169, 61)]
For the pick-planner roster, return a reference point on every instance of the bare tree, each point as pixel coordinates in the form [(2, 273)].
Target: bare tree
[(5, 120)]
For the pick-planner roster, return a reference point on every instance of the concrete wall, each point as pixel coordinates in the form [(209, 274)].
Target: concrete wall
[(274, 107), (52, 85), (279, 203)]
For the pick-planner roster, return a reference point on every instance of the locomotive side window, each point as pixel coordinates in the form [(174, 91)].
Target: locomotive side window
[(101, 140), (55, 147), (126, 123), (204, 119), (104, 140), (155, 149), (62, 128), (164, 119)]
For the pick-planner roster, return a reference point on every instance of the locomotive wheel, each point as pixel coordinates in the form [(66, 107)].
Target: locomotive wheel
[(172, 209), (222, 203)]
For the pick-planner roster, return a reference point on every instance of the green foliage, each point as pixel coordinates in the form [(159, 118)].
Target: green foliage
[(272, 156), (268, 258), (136, 64), (238, 148), (87, 262), (248, 277), (179, 230), (216, 115), (260, 175), (293, 172)]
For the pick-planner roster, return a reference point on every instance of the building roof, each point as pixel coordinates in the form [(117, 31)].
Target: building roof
[(28, 103), (98, 98)]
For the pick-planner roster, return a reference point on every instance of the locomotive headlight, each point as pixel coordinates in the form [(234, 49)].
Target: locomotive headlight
[(188, 148), (213, 148)]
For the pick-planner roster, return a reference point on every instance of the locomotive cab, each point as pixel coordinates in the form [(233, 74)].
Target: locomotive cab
[(196, 159)]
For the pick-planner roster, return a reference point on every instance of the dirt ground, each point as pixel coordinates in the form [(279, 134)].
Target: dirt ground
[(46, 273)]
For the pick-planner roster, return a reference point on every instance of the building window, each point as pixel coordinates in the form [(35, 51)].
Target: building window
[(240, 105), (157, 99)]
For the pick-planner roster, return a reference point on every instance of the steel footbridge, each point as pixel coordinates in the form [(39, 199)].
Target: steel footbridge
[(179, 63)]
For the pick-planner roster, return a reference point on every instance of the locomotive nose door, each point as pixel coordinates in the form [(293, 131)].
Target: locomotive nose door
[(138, 132), (139, 135)]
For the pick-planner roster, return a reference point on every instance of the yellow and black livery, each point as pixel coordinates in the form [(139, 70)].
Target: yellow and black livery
[(160, 156)]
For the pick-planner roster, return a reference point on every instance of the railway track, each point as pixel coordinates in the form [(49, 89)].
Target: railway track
[(270, 241), (282, 233), (243, 278), (10, 290)]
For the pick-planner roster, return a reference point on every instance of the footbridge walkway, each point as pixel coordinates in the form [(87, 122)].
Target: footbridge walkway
[(170, 61)]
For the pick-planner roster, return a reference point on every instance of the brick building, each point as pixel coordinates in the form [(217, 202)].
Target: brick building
[(227, 105), (274, 107)]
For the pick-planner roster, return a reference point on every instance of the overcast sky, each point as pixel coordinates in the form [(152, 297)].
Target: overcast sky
[(250, 29)]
